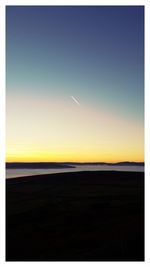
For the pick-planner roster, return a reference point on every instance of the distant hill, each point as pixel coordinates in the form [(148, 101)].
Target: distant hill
[(55, 165), (128, 163), (124, 163)]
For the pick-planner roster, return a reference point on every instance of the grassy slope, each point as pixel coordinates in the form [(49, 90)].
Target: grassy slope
[(80, 216)]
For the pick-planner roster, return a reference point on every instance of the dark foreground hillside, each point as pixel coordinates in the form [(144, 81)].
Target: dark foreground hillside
[(82, 216)]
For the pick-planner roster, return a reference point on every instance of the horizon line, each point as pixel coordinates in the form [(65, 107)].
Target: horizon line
[(82, 162)]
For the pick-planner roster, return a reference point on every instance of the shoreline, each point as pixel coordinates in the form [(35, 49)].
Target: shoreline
[(33, 172)]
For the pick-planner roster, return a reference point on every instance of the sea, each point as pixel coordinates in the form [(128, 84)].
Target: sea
[(21, 172)]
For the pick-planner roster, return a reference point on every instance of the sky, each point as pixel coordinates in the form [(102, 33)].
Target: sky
[(75, 83)]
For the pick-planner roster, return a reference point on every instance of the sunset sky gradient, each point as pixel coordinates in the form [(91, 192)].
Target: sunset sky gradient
[(92, 54)]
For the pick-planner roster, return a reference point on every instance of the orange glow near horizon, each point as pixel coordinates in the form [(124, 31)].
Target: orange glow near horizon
[(50, 130), (47, 158)]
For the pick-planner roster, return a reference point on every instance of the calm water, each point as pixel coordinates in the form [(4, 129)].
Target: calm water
[(14, 173)]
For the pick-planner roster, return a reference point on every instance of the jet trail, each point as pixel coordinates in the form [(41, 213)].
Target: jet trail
[(75, 100)]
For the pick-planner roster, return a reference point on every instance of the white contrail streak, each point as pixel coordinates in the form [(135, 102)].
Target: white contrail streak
[(75, 100)]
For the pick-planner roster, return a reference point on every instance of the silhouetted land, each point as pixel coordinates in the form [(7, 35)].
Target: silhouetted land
[(37, 165), (81, 216), (55, 165)]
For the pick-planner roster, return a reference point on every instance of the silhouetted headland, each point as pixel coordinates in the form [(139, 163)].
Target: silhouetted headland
[(37, 165)]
